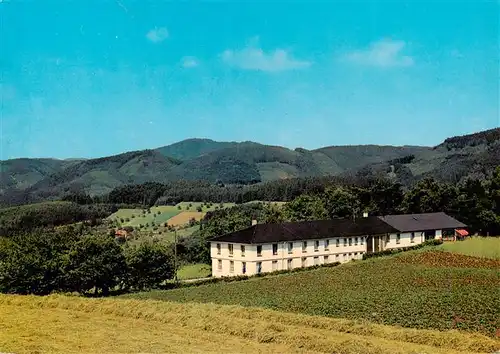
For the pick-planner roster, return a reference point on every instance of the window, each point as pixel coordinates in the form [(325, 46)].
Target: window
[(242, 250), (356, 241), (337, 257), (304, 246), (362, 240), (398, 238), (218, 248), (388, 239), (344, 256), (304, 261), (275, 249), (350, 241), (316, 260), (231, 266), (289, 263), (275, 265), (412, 237), (325, 259), (259, 251), (337, 242), (345, 242), (327, 244), (316, 246), (290, 247), (219, 264), (244, 267), (230, 248), (259, 267)]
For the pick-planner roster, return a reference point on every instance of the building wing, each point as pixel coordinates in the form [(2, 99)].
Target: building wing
[(422, 222)]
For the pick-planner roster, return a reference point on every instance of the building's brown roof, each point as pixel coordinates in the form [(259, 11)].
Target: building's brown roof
[(311, 230), (422, 222), (308, 230)]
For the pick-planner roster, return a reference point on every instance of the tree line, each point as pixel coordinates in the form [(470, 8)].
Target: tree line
[(46, 261)]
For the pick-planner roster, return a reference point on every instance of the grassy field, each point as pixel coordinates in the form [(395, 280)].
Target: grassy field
[(431, 289), (488, 247), (179, 214), (79, 325), (194, 271), (134, 217), (165, 236)]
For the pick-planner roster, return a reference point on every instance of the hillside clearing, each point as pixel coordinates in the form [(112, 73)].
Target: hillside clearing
[(385, 290), (184, 217), (488, 247), (73, 324), (194, 271)]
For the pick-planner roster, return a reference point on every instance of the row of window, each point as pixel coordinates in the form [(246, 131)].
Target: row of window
[(398, 238), (347, 241), (326, 259)]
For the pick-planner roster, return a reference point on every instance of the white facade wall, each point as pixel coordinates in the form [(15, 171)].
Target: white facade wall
[(405, 240), (225, 264)]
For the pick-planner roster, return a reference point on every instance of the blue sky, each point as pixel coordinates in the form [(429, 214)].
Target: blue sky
[(95, 78)]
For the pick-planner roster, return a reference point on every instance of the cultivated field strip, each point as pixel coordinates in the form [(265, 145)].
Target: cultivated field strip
[(120, 325)]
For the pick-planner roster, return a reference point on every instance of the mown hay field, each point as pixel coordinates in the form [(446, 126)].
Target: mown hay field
[(184, 217), (60, 324), (416, 289), (488, 247)]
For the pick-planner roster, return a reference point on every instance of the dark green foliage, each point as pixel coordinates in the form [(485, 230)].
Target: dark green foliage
[(33, 263), (28, 217), (428, 196), (78, 197), (146, 194), (149, 265), (95, 262), (484, 137), (305, 207)]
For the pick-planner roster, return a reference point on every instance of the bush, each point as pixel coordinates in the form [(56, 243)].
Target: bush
[(94, 262), (33, 263), (149, 265), (199, 209)]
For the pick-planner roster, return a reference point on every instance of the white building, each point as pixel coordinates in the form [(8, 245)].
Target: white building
[(269, 247)]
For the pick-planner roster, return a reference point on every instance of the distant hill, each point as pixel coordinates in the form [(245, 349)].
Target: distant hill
[(191, 148), (474, 155), (25, 180)]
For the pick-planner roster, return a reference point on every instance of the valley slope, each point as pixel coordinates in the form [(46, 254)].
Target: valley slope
[(23, 180)]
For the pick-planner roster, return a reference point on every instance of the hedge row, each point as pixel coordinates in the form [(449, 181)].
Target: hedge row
[(403, 249), (246, 277)]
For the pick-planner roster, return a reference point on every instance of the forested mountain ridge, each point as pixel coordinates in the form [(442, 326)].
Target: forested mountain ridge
[(24, 180)]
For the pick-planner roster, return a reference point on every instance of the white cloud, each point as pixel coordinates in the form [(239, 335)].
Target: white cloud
[(157, 35), (189, 62), (382, 53), (252, 57)]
